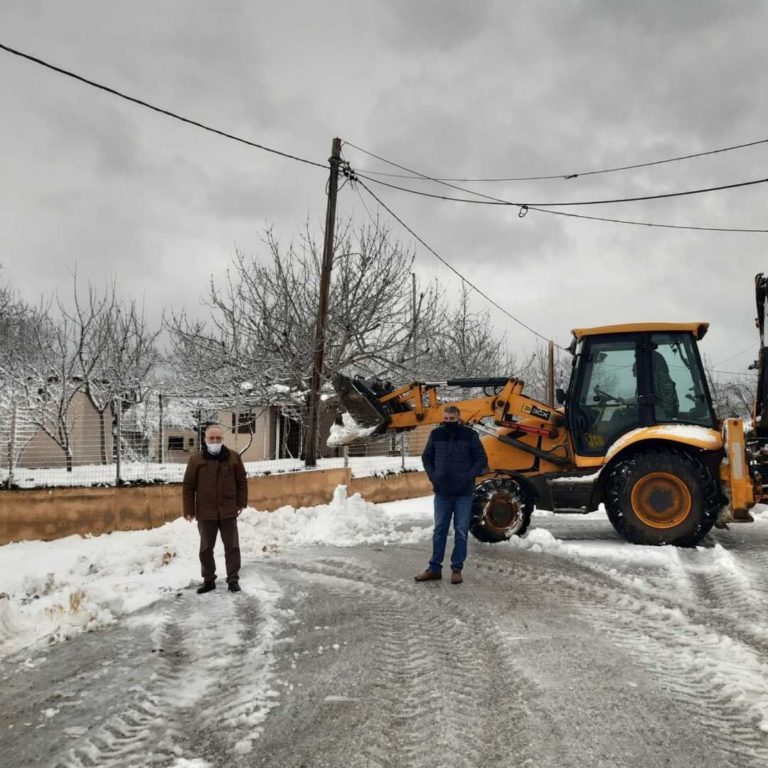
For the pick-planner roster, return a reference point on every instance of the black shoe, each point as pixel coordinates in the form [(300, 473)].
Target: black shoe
[(206, 586), (234, 587)]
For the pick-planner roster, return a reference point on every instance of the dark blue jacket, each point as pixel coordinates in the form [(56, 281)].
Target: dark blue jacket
[(453, 461)]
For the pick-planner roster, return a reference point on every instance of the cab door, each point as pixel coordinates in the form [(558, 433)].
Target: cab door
[(602, 402)]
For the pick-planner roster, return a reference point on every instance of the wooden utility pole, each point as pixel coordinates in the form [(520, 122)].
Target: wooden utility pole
[(310, 456), (413, 320), (551, 375)]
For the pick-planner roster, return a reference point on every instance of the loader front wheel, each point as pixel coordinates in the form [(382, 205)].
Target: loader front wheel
[(501, 508), (662, 496)]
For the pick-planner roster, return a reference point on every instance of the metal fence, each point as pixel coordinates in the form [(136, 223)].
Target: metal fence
[(152, 441)]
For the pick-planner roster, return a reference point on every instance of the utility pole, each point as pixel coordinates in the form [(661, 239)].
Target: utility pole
[(413, 318), (551, 375), (310, 456)]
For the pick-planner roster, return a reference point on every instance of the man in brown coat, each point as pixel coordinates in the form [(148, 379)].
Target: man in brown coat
[(215, 492)]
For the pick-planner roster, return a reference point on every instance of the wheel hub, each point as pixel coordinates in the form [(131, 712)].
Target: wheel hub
[(501, 511), (661, 500)]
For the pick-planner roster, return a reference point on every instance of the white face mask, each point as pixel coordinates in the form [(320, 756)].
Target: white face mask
[(213, 448)]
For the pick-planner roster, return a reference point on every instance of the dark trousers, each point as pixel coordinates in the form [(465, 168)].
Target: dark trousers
[(208, 531)]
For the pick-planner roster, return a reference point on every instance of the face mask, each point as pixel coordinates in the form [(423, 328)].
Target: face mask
[(451, 426), (213, 448)]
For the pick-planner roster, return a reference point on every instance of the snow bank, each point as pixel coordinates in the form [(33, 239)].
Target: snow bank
[(344, 522), (56, 589)]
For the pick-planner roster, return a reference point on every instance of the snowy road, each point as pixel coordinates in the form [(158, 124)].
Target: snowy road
[(570, 648)]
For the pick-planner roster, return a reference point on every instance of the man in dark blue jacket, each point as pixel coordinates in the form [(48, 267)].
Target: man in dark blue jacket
[(453, 458)]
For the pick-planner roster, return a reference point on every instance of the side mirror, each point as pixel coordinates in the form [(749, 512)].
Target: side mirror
[(560, 396)]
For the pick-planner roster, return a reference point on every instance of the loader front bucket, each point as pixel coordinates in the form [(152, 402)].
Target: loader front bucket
[(361, 399)]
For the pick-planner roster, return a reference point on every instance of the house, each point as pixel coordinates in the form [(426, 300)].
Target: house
[(88, 435), (259, 434)]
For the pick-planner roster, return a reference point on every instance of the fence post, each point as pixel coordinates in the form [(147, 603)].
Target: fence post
[(402, 451), (12, 445)]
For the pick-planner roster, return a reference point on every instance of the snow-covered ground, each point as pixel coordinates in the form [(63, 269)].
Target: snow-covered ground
[(52, 590), (582, 648)]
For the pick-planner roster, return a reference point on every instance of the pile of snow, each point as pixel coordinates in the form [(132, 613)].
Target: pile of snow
[(56, 589), (344, 522)]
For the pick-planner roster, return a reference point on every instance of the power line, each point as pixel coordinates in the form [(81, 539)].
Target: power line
[(490, 200), (736, 373), (741, 352), (561, 176), (162, 111), (525, 207), (647, 223), (452, 268)]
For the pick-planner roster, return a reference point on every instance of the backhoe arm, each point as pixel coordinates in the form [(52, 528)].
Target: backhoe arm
[(381, 407)]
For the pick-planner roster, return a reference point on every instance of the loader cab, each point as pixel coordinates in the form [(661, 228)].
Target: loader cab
[(631, 376)]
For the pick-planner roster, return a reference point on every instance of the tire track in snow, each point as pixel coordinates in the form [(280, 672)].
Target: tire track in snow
[(210, 693), (237, 705), (719, 680), (438, 677), (134, 736)]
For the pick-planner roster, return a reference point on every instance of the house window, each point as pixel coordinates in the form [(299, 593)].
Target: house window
[(175, 443), (243, 423)]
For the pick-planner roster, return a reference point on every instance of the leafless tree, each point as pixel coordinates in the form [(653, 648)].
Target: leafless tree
[(115, 351), (462, 343), (53, 380), (17, 321), (100, 348), (263, 317), (733, 395), (535, 370)]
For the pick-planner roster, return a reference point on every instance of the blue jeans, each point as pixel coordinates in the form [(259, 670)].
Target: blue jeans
[(460, 509)]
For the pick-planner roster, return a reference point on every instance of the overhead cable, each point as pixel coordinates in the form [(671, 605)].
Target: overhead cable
[(452, 268), (736, 354), (647, 223), (490, 200), (162, 111), (560, 176), (735, 373), (524, 208)]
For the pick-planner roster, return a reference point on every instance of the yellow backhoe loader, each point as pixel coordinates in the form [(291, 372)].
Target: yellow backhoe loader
[(635, 431)]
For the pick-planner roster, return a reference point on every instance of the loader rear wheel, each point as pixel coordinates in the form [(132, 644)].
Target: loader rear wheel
[(662, 496), (501, 508)]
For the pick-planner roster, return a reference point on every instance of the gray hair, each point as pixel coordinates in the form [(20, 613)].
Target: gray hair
[(214, 426)]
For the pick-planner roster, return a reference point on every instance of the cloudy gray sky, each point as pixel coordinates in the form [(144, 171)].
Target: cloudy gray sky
[(456, 89)]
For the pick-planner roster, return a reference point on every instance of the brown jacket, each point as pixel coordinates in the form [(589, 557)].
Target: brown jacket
[(214, 487)]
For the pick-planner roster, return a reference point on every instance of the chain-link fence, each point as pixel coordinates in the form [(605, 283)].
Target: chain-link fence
[(151, 442)]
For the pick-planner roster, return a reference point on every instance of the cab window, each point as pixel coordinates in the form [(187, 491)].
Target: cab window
[(605, 402), (680, 392)]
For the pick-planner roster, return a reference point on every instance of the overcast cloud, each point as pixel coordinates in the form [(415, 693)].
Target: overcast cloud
[(93, 183)]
